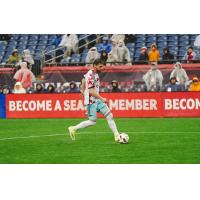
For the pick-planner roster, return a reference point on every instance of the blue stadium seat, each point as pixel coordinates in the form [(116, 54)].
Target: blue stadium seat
[(23, 42), (139, 44), (172, 38), (14, 37), (172, 43), (42, 42), (2, 47), (131, 46), (41, 47), (23, 37), (85, 51), (140, 39), (50, 47), (183, 43), (32, 42), (182, 48), (10, 48), (162, 44), (31, 47), (33, 37), (64, 61), (161, 38), (183, 37), (43, 37), (151, 39), (75, 60)]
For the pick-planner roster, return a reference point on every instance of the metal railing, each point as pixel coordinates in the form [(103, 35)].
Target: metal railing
[(63, 48)]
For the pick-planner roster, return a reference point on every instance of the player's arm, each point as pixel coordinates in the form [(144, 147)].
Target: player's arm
[(96, 95), (83, 86)]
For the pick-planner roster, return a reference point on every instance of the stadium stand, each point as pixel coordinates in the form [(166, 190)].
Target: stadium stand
[(44, 51)]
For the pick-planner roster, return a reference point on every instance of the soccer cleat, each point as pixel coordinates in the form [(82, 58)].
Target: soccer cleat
[(72, 132), (117, 138)]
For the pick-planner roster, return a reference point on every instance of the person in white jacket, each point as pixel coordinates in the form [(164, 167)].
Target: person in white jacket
[(70, 41), (117, 38), (197, 41), (123, 53), (92, 56), (18, 88), (179, 73), (28, 58), (153, 78)]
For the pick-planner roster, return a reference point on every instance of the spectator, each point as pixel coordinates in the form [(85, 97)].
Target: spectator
[(56, 39), (197, 41), (115, 86), (117, 38), (153, 78), (50, 89), (14, 58), (190, 55), (172, 86), (18, 88), (27, 57), (143, 55), (70, 41), (73, 87), (154, 54), (195, 85), (6, 90), (105, 45), (167, 56), (112, 60), (179, 73), (24, 75), (124, 55), (39, 88), (104, 56), (115, 49), (92, 56), (129, 38)]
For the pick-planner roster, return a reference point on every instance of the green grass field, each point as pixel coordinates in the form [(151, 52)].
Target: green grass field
[(168, 140)]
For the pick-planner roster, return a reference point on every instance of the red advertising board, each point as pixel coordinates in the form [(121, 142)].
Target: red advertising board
[(180, 104)]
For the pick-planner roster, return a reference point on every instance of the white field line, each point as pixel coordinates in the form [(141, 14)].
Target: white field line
[(87, 133)]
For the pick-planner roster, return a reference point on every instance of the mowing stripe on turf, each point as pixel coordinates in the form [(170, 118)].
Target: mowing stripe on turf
[(86, 133)]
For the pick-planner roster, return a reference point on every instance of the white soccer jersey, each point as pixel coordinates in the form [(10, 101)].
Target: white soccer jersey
[(91, 81)]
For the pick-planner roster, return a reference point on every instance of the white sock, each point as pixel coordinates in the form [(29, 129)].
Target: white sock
[(84, 124), (112, 125)]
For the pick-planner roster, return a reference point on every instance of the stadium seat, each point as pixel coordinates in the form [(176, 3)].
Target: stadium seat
[(172, 38), (42, 42), (33, 37), (23, 37), (183, 43), (23, 42), (43, 37), (183, 37), (161, 38), (32, 42), (172, 43), (139, 44), (151, 39)]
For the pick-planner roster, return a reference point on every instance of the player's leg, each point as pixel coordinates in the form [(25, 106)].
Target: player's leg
[(103, 108), (92, 116)]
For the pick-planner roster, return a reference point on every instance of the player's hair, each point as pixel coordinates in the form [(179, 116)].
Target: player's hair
[(97, 62)]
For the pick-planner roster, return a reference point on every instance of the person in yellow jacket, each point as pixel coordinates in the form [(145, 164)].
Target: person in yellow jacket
[(195, 86), (154, 54)]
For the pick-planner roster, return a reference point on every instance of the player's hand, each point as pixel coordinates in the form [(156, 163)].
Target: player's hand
[(104, 100)]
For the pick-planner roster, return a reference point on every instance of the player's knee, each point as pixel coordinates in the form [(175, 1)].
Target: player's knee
[(92, 122), (109, 116)]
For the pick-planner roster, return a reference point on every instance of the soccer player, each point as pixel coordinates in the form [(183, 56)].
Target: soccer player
[(94, 102)]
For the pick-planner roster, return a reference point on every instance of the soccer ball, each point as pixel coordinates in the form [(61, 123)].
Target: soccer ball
[(123, 138)]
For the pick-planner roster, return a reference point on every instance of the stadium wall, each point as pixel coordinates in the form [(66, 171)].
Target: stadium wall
[(2, 106), (161, 104)]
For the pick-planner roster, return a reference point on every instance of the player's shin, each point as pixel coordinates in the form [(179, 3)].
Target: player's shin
[(84, 124), (112, 125)]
